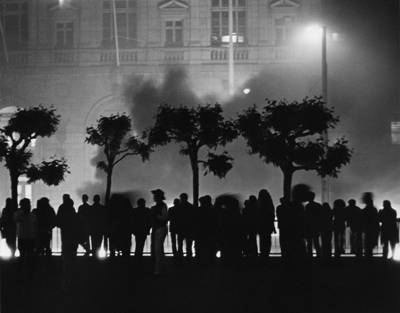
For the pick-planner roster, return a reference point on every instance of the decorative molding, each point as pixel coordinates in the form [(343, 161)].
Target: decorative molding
[(284, 4), (64, 6), (173, 4)]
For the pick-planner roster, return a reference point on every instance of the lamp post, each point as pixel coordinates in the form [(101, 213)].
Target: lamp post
[(324, 66), (318, 33), (231, 69)]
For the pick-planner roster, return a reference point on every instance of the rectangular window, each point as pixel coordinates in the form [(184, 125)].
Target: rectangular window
[(174, 33), (283, 30), (220, 22), (65, 35), (14, 16), (125, 12)]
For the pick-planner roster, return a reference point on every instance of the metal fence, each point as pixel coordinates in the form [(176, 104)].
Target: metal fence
[(275, 248)]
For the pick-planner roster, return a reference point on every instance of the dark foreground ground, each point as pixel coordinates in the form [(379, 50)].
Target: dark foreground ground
[(119, 286)]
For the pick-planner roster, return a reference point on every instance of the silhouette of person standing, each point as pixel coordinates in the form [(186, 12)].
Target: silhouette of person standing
[(389, 230), (266, 219), (84, 222), (46, 221), (207, 221), (67, 221), (97, 226), (188, 221), (27, 229), (313, 212), (326, 230), (371, 223), (176, 229), (339, 225), (159, 213), (120, 220), (8, 226), (141, 226), (282, 212), (250, 223), (354, 222)]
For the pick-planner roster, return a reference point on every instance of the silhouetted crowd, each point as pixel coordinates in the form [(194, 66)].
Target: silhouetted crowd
[(306, 227)]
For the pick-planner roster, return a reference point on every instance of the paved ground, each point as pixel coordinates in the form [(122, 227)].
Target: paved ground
[(119, 286)]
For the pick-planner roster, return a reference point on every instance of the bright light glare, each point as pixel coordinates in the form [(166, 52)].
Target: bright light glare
[(5, 252), (246, 91), (101, 254), (17, 254), (61, 2), (396, 254), (313, 33), (218, 255)]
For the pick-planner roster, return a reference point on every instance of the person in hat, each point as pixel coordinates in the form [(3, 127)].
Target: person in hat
[(159, 213)]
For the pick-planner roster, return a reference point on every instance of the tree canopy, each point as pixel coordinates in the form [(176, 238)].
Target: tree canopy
[(290, 135), (194, 128)]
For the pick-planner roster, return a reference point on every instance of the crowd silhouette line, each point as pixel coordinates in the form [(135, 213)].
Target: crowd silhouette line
[(306, 228)]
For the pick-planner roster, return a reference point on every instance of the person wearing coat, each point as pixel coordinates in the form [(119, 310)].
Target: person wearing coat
[(389, 230), (371, 224)]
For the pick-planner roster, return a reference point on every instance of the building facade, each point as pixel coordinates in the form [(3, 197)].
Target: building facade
[(64, 53)]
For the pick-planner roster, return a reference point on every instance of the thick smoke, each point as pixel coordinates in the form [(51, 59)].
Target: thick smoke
[(363, 82)]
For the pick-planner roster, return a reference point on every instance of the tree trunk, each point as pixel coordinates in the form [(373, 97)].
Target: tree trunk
[(108, 186), (14, 186), (195, 169), (287, 184)]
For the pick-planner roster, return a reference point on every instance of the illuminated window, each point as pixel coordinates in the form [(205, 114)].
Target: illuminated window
[(64, 35), (174, 33), (220, 21), (126, 23), (14, 16), (284, 30)]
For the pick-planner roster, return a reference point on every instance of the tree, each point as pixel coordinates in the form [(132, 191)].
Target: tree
[(112, 134), (194, 129), (16, 139), (290, 135)]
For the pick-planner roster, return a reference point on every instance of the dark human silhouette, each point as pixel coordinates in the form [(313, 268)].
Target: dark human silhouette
[(371, 223), (266, 219), (84, 223), (176, 229), (282, 212), (250, 224), (229, 228), (206, 226), (313, 212), (355, 223), (67, 221), (326, 231), (292, 225), (159, 213), (120, 210), (27, 228), (339, 225), (141, 226), (389, 230), (8, 226), (97, 226), (46, 217), (188, 214)]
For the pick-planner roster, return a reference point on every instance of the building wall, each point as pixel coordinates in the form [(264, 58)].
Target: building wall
[(84, 82)]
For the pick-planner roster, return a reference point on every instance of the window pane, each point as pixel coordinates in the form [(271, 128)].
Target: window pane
[(179, 37), (120, 4), (169, 24), (178, 23), (215, 3), (69, 39), (132, 3), (169, 37), (106, 4), (225, 3)]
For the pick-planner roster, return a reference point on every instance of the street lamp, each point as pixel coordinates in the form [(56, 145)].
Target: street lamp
[(316, 33)]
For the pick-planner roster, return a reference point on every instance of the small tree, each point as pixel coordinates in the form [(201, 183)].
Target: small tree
[(194, 129), (112, 134), (290, 135), (16, 138)]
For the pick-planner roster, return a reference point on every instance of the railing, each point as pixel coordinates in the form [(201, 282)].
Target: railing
[(146, 56), (275, 248)]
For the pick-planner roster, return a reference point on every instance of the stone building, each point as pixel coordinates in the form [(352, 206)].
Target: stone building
[(63, 52)]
